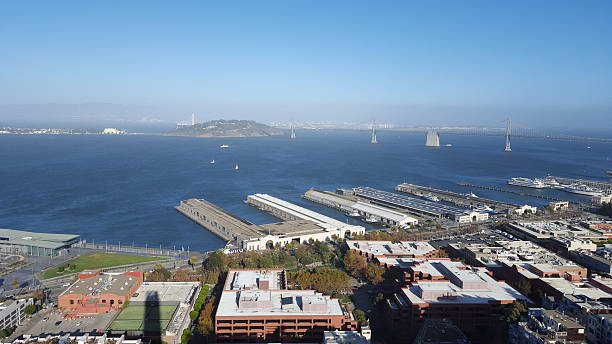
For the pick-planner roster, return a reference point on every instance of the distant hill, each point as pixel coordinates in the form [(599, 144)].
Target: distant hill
[(226, 128)]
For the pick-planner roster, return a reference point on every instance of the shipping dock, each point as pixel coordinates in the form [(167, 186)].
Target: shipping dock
[(300, 225), (419, 206), (462, 200)]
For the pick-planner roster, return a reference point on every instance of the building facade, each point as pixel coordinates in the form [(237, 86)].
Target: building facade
[(99, 293), (12, 312)]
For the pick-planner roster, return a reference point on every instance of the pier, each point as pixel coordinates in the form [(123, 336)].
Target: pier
[(463, 200), (223, 224), (606, 187), (300, 225), (492, 188)]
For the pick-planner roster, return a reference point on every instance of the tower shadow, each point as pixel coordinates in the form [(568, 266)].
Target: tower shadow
[(152, 324)]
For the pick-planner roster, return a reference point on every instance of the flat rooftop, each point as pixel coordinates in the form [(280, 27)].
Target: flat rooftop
[(297, 211), (516, 252), (382, 212), (291, 228), (461, 284), (250, 279), (44, 240), (401, 201), (104, 283), (165, 291), (276, 303), (390, 249)]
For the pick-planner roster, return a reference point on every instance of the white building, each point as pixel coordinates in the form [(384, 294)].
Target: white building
[(112, 131), (12, 312)]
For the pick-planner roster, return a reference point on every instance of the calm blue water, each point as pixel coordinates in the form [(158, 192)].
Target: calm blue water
[(124, 188)]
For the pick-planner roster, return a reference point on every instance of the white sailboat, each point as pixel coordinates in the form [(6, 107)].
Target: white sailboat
[(212, 161), (224, 146), (236, 167)]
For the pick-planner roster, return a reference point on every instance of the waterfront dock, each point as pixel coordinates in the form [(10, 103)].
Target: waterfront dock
[(300, 225), (525, 194), (462, 200), (223, 224)]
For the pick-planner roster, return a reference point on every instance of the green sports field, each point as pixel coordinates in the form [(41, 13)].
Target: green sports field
[(97, 261), (133, 318)]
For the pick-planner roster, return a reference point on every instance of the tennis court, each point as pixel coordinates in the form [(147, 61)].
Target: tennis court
[(133, 318)]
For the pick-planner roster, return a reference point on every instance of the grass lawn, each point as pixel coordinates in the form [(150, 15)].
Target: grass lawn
[(98, 261)]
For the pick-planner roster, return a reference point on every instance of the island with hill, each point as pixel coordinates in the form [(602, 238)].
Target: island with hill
[(226, 128)]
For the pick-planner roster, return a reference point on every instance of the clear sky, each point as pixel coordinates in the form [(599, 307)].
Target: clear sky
[(408, 62)]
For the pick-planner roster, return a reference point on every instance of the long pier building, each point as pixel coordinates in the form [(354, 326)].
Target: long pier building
[(419, 206), (300, 225), (371, 212)]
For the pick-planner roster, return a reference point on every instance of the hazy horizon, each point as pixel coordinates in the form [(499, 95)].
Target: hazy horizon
[(544, 64)]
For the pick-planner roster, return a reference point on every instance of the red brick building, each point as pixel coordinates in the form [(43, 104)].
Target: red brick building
[(255, 306), (99, 292), (442, 289)]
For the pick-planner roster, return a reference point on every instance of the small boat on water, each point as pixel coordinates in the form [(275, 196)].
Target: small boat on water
[(212, 161), (224, 146), (371, 220), (236, 167), (583, 190), (353, 213)]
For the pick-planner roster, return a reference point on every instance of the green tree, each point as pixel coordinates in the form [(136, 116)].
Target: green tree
[(378, 298), (4, 333), (360, 316), (186, 336), (513, 314), (15, 284), (216, 261), (30, 309)]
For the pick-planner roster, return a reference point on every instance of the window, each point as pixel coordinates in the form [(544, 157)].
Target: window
[(72, 302), (120, 302), (103, 301)]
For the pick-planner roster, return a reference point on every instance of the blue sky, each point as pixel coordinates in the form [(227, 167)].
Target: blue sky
[(409, 62)]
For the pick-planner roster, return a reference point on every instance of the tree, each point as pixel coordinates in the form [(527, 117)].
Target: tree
[(354, 263), (374, 273), (360, 316), (378, 298), (514, 313), (159, 274), (216, 261), (30, 309), (186, 336), (15, 284), (192, 261)]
